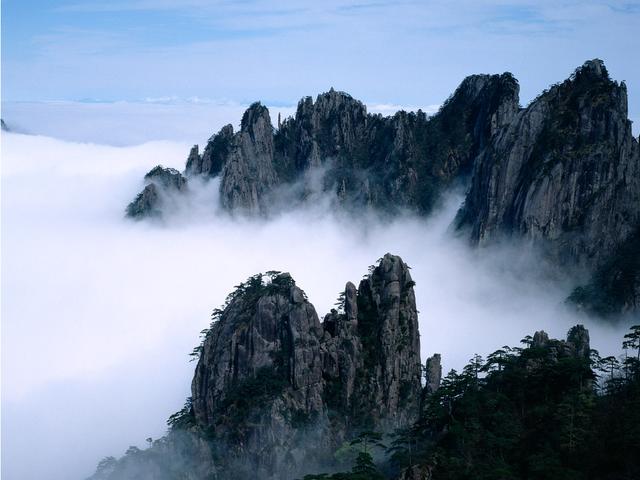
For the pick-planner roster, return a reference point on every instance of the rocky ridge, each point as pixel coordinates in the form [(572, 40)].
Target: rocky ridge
[(565, 176), (562, 174)]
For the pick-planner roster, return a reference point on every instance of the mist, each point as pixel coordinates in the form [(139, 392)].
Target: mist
[(100, 313)]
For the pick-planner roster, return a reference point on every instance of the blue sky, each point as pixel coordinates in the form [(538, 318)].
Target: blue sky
[(401, 52)]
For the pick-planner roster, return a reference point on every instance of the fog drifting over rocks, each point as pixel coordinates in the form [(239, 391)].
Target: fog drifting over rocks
[(99, 313)]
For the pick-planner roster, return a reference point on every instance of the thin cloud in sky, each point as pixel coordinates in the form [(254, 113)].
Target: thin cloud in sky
[(409, 53)]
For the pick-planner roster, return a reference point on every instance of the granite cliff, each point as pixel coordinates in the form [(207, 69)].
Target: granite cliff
[(402, 162), (565, 175), (276, 392), (562, 174)]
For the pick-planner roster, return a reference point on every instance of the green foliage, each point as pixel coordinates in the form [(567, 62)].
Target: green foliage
[(531, 413), (184, 418), (364, 467), (248, 292)]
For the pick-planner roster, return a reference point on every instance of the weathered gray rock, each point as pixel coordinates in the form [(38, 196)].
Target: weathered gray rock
[(4, 126), (433, 373), (417, 472), (271, 380), (249, 176), (194, 162), (162, 185), (389, 389), (614, 288), (563, 174), (578, 342), (392, 163), (540, 339), (259, 378), (334, 147), (214, 157)]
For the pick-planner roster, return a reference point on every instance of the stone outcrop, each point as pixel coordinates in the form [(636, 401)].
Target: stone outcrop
[(215, 155), (4, 126), (615, 285), (576, 346), (562, 174), (565, 173), (162, 184), (389, 389), (249, 176), (433, 373), (272, 380), (258, 383), (396, 163)]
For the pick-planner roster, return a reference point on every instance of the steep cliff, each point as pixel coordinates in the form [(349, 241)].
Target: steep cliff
[(565, 175), (562, 174), (396, 163), (271, 379), (248, 175), (275, 392), (159, 194)]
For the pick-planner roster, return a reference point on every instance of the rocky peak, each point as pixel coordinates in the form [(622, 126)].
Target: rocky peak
[(433, 373), (167, 177), (578, 340), (271, 378), (540, 339), (194, 161), (564, 174), (159, 194), (255, 121), (249, 175), (543, 350), (388, 329), (215, 155), (592, 69)]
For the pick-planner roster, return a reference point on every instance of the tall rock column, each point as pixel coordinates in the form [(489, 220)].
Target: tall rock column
[(389, 380), (249, 176)]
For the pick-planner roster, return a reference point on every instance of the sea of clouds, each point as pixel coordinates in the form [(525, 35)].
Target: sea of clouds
[(100, 313)]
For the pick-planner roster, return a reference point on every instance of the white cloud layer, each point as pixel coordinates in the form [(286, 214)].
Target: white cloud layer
[(99, 314)]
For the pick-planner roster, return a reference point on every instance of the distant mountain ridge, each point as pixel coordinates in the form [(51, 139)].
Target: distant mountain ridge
[(562, 173)]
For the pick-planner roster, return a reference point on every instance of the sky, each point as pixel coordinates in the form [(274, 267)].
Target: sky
[(99, 314), (386, 52)]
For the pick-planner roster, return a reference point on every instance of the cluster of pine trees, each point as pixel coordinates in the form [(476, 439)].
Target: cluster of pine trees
[(548, 410)]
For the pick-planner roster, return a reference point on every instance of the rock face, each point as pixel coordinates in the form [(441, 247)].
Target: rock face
[(215, 155), (4, 126), (433, 373), (576, 346), (275, 392), (333, 146), (615, 285), (564, 173), (389, 388), (258, 382), (248, 176), (272, 380), (162, 184)]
